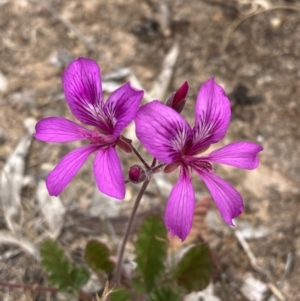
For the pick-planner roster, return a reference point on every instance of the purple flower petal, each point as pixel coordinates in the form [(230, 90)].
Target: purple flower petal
[(67, 168), (227, 199), (162, 131), (212, 116), (56, 129), (122, 106), (108, 173), (180, 207), (83, 90), (240, 154)]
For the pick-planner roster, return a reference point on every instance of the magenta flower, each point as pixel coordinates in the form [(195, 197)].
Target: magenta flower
[(83, 91), (168, 137)]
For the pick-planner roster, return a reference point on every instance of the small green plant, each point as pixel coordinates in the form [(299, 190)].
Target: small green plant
[(156, 278)]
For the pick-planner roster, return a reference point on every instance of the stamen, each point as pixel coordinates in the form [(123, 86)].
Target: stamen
[(203, 165), (197, 163), (97, 138)]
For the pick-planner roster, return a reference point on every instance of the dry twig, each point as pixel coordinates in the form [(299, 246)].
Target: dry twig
[(52, 209), (253, 262), (235, 24), (88, 42), (9, 238), (163, 80)]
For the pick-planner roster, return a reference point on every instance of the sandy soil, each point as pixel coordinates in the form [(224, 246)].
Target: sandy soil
[(253, 51)]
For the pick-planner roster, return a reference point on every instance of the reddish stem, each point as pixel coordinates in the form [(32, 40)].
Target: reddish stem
[(83, 295), (29, 287)]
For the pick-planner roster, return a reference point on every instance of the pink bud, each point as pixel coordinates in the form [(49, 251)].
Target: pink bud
[(136, 174), (176, 100)]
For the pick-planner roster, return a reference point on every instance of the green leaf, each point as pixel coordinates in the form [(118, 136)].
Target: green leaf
[(120, 294), (195, 269), (79, 277), (59, 269), (164, 293), (56, 265), (151, 249), (137, 284), (97, 257)]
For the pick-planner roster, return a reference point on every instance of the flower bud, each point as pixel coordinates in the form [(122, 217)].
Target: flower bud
[(176, 100), (136, 174)]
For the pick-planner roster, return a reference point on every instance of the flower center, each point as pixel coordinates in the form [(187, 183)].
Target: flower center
[(99, 138), (197, 163), (203, 165)]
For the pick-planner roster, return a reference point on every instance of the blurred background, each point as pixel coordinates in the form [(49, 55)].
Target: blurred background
[(251, 47)]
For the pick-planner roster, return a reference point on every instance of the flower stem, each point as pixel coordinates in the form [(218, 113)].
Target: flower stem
[(140, 157), (155, 168), (153, 162), (128, 230)]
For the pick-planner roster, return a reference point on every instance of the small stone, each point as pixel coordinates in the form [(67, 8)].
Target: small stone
[(3, 82), (3, 137), (275, 22)]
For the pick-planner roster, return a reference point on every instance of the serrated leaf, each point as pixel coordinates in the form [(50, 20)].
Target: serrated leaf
[(137, 284), (79, 277), (195, 269), (164, 293), (56, 265), (120, 294), (151, 248), (97, 257)]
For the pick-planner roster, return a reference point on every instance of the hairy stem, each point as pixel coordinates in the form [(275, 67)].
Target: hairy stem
[(128, 230)]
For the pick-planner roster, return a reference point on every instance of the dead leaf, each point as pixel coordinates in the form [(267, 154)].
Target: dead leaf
[(52, 209), (11, 178), (199, 228)]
